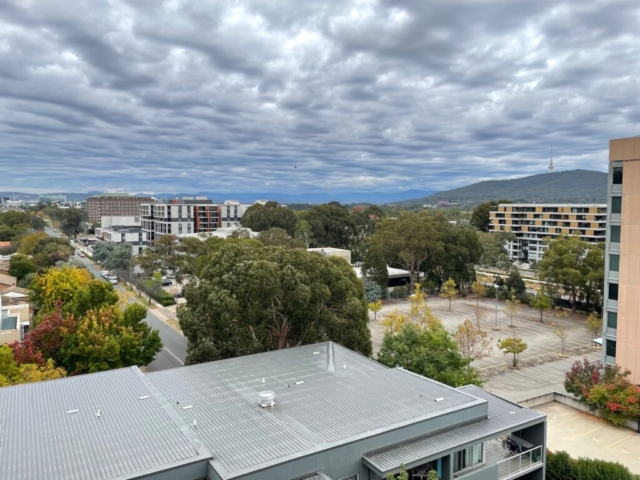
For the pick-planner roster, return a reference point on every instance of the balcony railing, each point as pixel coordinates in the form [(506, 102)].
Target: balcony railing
[(513, 466)]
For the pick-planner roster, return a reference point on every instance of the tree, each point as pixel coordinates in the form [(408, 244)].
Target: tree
[(103, 250), (515, 283), (372, 291), (449, 291), (407, 241), (512, 345), (37, 223), (479, 290), (102, 339), (166, 245), (73, 290), (72, 220), (375, 307), (374, 267), (563, 264), (420, 314), (593, 283), (251, 298), (473, 342), (20, 266), (331, 225), (562, 332), (432, 475), (480, 314), (594, 324), (260, 217), (542, 303), (511, 307), (302, 232), (461, 251), (50, 250), (6, 233), (481, 216), (430, 352), (560, 466), (13, 373), (120, 258), (278, 237), (28, 242), (148, 260), (494, 253), (15, 217)]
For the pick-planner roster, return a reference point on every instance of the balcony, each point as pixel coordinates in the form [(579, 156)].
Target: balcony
[(502, 464)]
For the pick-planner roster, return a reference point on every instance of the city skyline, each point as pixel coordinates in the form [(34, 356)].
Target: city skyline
[(309, 96)]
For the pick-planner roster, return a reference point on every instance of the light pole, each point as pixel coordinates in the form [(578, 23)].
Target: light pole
[(495, 326)]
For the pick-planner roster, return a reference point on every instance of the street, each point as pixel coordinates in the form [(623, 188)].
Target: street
[(174, 352)]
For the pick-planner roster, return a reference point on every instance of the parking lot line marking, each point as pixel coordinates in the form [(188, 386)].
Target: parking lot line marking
[(591, 431), (618, 441), (572, 418)]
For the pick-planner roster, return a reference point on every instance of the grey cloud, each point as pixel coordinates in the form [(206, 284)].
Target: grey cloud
[(358, 94)]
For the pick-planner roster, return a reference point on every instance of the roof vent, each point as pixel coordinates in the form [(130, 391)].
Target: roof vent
[(439, 399), (267, 399)]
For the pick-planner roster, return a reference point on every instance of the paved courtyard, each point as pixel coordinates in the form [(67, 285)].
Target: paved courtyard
[(543, 345), (582, 435)]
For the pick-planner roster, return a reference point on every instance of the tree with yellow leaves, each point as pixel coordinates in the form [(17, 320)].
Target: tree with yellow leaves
[(473, 342), (375, 307), (420, 314), (73, 290), (449, 290)]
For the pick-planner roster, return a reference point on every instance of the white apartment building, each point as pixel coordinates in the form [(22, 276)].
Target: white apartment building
[(531, 223), (191, 215)]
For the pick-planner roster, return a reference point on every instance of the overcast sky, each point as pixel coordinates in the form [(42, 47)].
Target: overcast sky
[(310, 95)]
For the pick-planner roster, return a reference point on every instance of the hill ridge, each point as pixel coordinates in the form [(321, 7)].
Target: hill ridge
[(567, 186)]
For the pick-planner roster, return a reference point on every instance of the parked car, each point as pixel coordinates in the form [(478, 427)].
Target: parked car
[(81, 255), (105, 273), (113, 280), (166, 282)]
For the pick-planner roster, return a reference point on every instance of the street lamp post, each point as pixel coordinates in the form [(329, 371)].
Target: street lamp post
[(495, 326)]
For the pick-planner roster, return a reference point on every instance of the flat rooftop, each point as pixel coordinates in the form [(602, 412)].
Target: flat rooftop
[(123, 423), (325, 395)]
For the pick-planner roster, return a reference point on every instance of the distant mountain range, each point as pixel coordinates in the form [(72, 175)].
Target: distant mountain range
[(569, 186), (284, 198)]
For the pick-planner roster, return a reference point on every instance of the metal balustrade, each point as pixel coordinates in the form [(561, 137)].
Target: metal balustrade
[(511, 466)]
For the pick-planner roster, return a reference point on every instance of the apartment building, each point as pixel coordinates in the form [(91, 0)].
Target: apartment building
[(531, 223), (114, 205), (188, 216), (313, 412), (621, 314)]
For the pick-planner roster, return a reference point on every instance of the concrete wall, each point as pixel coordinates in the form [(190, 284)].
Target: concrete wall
[(9, 336), (569, 402)]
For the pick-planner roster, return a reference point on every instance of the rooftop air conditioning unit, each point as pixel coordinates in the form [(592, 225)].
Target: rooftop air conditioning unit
[(267, 399)]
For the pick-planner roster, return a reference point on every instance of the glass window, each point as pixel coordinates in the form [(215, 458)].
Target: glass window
[(616, 205), (611, 348), (612, 320), (614, 263), (617, 176), (615, 234), (467, 458), (613, 291)]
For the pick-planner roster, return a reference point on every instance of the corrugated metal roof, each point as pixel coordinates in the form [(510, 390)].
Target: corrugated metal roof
[(39, 439), (318, 402), (500, 419)]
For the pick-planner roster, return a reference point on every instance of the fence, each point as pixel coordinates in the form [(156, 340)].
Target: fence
[(519, 463)]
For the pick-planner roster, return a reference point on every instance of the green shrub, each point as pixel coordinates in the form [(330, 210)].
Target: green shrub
[(560, 466)]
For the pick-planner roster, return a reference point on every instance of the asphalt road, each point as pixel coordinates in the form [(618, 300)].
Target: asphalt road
[(174, 352)]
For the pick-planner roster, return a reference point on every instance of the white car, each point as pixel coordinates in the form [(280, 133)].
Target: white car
[(105, 273), (113, 280)]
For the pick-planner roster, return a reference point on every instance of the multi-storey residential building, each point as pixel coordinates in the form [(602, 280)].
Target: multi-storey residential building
[(314, 412), (114, 205), (531, 223), (191, 215), (621, 315)]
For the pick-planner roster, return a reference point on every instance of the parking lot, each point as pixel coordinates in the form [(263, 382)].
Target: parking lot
[(582, 435), (542, 343)]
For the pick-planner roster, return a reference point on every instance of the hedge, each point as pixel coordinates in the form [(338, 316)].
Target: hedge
[(560, 466)]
